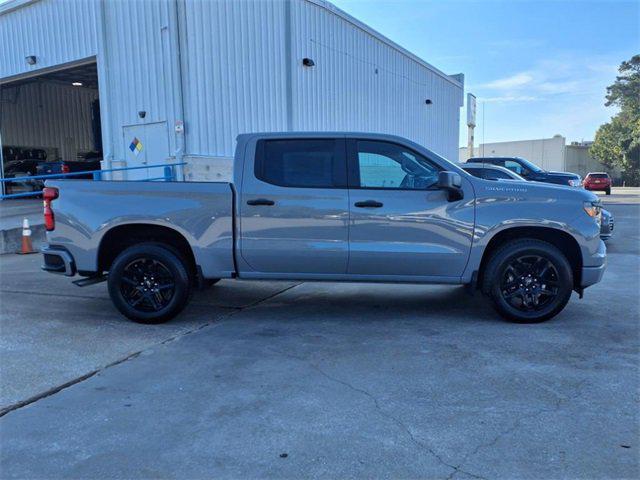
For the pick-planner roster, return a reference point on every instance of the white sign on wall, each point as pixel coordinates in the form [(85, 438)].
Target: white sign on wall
[(471, 110)]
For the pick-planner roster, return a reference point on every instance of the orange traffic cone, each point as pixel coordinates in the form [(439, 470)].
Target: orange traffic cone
[(27, 246)]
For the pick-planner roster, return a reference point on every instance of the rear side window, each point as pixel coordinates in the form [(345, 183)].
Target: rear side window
[(307, 163)]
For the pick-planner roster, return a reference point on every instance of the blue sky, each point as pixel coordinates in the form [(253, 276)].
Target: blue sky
[(538, 68)]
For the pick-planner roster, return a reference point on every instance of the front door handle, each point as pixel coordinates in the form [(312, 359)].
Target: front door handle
[(368, 204), (260, 201)]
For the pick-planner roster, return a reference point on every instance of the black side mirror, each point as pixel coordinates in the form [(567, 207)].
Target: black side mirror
[(452, 183)]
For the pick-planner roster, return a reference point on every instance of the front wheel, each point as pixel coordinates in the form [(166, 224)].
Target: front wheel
[(529, 281), (149, 283)]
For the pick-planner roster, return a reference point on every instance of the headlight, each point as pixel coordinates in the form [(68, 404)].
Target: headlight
[(593, 209)]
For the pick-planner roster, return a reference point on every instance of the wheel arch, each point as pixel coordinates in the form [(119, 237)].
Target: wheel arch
[(562, 240), (120, 237)]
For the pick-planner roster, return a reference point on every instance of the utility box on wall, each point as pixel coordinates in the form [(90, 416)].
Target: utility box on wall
[(146, 144)]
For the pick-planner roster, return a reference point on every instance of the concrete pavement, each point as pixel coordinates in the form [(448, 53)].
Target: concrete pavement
[(325, 381)]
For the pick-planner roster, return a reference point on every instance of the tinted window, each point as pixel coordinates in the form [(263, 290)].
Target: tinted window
[(388, 165), (476, 172), (491, 174), (514, 166), (598, 175), (311, 163)]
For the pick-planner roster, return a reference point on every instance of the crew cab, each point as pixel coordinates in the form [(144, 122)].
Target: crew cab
[(354, 207), (530, 171)]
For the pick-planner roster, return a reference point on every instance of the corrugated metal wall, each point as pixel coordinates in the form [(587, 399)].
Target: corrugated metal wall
[(239, 79), (48, 115), (233, 72), (361, 83), (55, 31), (139, 67)]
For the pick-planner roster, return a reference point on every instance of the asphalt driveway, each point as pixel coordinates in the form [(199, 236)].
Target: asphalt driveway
[(321, 380)]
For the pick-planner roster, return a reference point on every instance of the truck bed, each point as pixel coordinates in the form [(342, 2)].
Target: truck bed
[(202, 212)]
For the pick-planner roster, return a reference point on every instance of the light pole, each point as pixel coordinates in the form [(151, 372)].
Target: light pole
[(471, 122)]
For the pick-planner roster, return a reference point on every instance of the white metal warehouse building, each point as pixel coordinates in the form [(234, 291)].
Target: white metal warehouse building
[(184, 77)]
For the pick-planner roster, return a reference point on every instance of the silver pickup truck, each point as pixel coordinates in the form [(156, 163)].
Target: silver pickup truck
[(327, 207)]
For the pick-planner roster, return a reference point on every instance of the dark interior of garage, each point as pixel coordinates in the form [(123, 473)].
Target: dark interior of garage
[(50, 124)]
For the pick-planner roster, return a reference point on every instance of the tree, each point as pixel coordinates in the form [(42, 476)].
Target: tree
[(617, 143)]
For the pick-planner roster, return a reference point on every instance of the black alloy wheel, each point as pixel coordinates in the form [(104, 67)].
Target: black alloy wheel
[(149, 283), (529, 280), (530, 283)]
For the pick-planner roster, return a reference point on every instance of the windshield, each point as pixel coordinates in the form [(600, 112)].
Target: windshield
[(531, 166)]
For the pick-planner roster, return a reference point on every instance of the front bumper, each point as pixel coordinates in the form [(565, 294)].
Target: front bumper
[(594, 272), (58, 260)]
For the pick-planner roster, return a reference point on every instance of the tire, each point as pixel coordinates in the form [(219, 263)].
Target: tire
[(149, 283), (519, 274), (608, 191)]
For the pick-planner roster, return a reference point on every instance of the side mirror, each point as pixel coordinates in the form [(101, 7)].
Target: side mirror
[(452, 183)]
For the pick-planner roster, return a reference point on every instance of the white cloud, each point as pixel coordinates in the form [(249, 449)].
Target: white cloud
[(507, 83), (508, 99), (547, 78)]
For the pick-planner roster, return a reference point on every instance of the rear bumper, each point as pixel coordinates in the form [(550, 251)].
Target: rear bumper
[(58, 260), (594, 272)]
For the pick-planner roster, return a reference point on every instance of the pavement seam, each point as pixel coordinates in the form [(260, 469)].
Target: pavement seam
[(86, 376), (70, 383)]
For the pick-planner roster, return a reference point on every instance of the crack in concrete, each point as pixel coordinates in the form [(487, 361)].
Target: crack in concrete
[(516, 424), (86, 376), (399, 423)]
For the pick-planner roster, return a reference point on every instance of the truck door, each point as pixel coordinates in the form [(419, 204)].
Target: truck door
[(294, 207), (401, 224)]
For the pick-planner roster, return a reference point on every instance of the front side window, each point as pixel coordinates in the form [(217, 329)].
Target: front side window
[(391, 166), (308, 163)]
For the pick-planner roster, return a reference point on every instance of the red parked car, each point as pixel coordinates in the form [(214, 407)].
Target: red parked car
[(598, 181)]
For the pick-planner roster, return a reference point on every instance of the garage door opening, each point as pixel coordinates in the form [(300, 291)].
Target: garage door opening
[(50, 124)]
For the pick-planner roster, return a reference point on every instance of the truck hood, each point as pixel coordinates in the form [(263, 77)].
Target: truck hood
[(566, 175)]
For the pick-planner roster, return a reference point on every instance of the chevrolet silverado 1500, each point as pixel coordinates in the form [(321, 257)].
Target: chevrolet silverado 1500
[(327, 207)]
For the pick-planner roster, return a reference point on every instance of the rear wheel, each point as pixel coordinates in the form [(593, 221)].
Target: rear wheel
[(608, 191), (149, 283), (528, 280)]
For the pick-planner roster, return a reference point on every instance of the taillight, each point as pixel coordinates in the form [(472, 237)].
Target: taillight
[(49, 194), (65, 168)]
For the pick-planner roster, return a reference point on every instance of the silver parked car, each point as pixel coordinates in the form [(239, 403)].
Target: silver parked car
[(354, 207)]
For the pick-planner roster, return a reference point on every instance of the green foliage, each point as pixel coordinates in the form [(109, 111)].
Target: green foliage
[(625, 92), (617, 143)]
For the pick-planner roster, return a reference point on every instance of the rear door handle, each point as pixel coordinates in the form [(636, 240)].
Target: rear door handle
[(261, 201), (368, 204)]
